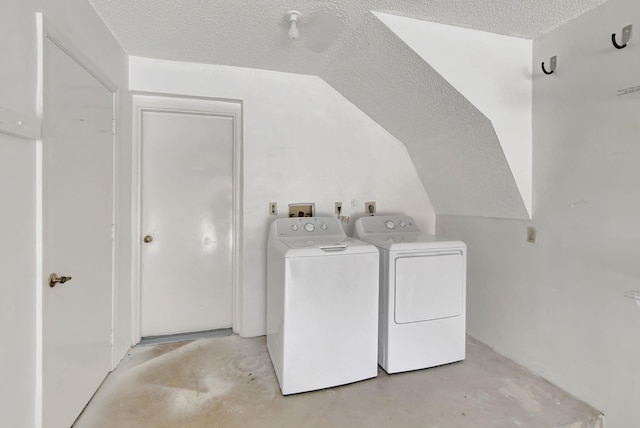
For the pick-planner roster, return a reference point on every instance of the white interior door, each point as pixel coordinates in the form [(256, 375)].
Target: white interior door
[(77, 207), (187, 185)]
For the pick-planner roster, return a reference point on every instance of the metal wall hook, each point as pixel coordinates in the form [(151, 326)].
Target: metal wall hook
[(552, 65), (626, 36)]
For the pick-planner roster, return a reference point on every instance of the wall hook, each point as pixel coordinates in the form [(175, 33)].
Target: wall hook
[(626, 36), (552, 65)]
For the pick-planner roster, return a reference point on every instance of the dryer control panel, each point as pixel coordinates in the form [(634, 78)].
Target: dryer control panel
[(308, 226), (386, 224)]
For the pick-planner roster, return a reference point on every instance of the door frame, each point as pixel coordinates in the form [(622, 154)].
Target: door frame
[(47, 31), (144, 101)]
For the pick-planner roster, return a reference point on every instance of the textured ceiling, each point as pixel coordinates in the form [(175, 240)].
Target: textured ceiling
[(253, 33), (453, 145)]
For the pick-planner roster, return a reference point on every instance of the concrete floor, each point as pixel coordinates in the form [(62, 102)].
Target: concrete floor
[(229, 382)]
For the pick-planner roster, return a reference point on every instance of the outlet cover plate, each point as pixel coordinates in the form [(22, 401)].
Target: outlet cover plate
[(366, 208), (532, 235)]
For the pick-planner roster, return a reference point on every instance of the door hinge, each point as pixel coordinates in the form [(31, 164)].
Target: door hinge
[(112, 339), (114, 128), (113, 232)]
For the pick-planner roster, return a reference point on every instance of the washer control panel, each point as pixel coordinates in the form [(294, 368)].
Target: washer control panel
[(308, 226)]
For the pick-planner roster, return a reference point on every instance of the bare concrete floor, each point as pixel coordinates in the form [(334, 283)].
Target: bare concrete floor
[(229, 382)]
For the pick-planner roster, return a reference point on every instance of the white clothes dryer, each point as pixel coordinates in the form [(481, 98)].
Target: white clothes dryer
[(322, 305), (422, 294)]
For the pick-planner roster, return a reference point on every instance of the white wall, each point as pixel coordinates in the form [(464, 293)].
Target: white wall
[(303, 142), (559, 307), (81, 25)]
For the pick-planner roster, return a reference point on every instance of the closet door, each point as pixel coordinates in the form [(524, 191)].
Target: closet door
[(186, 217), (77, 182)]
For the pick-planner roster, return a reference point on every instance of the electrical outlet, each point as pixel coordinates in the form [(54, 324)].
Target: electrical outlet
[(532, 235), (273, 208), (370, 208), (338, 209)]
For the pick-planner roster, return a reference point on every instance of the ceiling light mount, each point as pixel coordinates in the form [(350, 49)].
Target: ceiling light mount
[(292, 17)]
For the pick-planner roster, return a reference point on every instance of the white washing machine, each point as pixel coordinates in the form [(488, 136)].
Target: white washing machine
[(422, 294), (322, 305)]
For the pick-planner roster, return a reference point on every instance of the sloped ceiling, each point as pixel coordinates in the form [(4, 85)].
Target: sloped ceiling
[(492, 71), (453, 145), (253, 33)]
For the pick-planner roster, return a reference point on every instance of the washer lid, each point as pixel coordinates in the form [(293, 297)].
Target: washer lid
[(325, 246), (337, 242)]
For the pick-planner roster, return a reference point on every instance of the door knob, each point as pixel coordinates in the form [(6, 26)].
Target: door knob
[(147, 239), (55, 279)]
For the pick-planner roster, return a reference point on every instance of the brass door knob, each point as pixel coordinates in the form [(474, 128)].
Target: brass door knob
[(55, 279), (147, 239)]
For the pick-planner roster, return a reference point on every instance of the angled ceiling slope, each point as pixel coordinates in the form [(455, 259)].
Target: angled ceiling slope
[(452, 144), (492, 71), (468, 165)]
